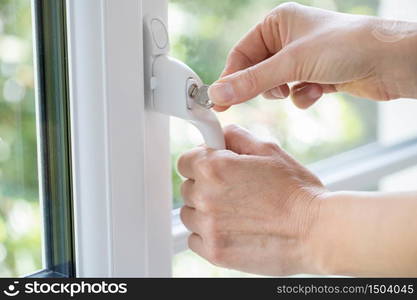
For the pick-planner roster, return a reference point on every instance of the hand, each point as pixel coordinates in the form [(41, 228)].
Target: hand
[(324, 52), (251, 207)]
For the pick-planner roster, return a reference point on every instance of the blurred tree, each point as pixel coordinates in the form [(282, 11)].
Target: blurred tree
[(202, 33), (20, 225)]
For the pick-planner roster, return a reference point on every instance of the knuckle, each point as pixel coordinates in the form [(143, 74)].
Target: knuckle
[(269, 19), (180, 163), (231, 130), (192, 243), (287, 8), (188, 159), (216, 240), (233, 58), (182, 214), (272, 147), (250, 78), (216, 163), (231, 127), (213, 166), (216, 255), (206, 204), (212, 227), (221, 162), (184, 188), (205, 167), (236, 56), (187, 187)]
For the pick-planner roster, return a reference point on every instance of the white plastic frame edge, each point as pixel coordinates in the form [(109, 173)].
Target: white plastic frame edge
[(120, 152)]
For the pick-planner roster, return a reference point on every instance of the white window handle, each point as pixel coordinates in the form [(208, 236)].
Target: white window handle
[(168, 81)]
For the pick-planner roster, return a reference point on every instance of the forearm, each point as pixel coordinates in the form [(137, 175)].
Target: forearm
[(367, 234), (396, 47)]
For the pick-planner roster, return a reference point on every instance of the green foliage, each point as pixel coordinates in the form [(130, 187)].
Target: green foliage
[(202, 33), (209, 30), (20, 224)]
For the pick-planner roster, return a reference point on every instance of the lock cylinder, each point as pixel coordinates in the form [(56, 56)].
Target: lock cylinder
[(173, 88)]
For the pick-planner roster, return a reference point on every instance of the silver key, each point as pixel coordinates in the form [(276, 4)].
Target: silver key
[(200, 95)]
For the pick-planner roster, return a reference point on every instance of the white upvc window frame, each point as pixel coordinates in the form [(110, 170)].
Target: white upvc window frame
[(124, 222), (121, 164)]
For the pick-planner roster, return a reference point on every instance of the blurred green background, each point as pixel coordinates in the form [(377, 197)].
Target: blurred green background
[(202, 33), (20, 224)]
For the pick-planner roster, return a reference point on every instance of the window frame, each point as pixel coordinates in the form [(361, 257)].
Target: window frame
[(357, 169), (120, 157), (53, 137), (123, 224)]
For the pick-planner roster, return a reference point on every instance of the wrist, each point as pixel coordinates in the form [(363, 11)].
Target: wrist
[(319, 235), (396, 43), (365, 234), (333, 235)]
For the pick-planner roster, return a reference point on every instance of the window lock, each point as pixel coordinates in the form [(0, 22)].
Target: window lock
[(172, 88)]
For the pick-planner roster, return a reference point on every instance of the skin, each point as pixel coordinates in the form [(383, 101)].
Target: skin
[(254, 208)]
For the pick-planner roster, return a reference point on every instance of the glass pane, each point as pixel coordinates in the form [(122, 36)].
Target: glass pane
[(337, 123), (20, 222), (404, 180), (390, 131), (54, 134)]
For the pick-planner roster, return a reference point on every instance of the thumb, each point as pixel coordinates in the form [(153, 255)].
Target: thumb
[(241, 141), (248, 83)]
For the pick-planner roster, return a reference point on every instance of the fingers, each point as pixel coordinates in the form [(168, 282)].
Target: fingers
[(203, 163), (189, 218), (306, 94), (187, 188), (252, 81), (186, 162), (220, 108), (279, 92), (241, 141), (244, 55), (250, 50), (195, 243)]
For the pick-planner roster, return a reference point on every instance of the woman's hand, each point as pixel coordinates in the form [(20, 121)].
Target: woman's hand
[(254, 208), (324, 52), (251, 207)]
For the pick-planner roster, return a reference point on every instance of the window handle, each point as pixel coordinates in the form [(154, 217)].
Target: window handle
[(173, 88)]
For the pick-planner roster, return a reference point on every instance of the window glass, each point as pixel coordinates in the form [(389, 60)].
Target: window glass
[(390, 130), (20, 222), (202, 33), (402, 181)]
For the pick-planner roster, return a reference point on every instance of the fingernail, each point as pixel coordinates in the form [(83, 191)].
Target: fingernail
[(314, 92), (221, 93), (277, 93)]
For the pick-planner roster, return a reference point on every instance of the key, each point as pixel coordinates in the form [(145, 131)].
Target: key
[(200, 95)]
